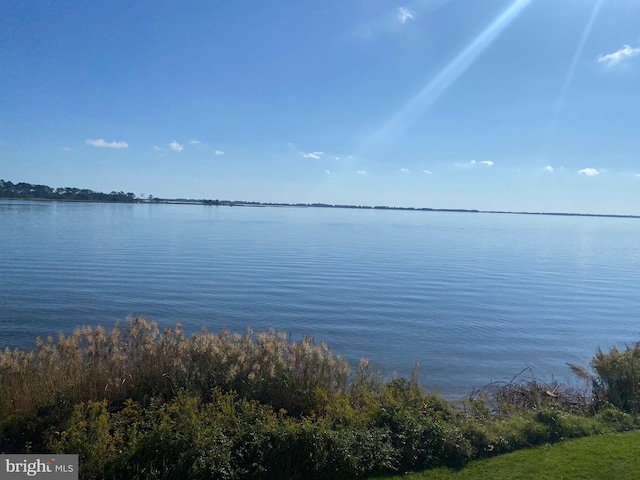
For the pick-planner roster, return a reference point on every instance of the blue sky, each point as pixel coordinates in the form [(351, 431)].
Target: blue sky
[(490, 104)]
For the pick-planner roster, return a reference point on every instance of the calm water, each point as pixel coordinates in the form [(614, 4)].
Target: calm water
[(473, 298)]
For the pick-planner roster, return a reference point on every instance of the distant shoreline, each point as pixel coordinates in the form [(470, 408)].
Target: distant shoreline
[(228, 203), (28, 191)]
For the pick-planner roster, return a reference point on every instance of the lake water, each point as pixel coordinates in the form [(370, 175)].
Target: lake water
[(473, 298)]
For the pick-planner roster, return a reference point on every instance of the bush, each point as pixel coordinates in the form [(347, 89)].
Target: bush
[(618, 378), (138, 404), (228, 438), (424, 428)]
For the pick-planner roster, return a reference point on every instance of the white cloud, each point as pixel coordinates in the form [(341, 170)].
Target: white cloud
[(463, 165), (621, 55), (315, 155), (102, 144), (548, 168), (389, 22), (589, 172), (428, 172), (219, 152), (328, 172), (194, 141), (404, 14), (486, 163), (362, 172), (176, 147), (404, 170)]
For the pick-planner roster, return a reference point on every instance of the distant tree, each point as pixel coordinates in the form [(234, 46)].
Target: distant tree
[(27, 190)]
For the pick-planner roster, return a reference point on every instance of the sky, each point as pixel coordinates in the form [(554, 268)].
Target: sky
[(520, 105)]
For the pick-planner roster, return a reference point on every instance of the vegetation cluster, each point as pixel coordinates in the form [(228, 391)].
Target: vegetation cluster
[(138, 403), (44, 192)]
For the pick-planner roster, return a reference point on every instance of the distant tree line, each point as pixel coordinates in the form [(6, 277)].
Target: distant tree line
[(30, 191)]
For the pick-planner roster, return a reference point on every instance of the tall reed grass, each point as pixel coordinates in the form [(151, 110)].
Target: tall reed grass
[(135, 360)]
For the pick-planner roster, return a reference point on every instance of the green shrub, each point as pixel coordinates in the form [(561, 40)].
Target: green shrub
[(618, 420), (618, 378), (561, 425), (228, 438), (424, 429)]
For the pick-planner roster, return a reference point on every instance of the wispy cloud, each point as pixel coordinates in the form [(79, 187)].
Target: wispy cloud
[(100, 142), (473, 163), (464, 165), (176, 147), (315, 155), (194, 141), (328, 172), (548, 168), (67, 149), (404, 170), (389, 21), (428, 172), (219, 152), (589, 172), (625, 53), (157, 148), (362, 172), (404, 15)]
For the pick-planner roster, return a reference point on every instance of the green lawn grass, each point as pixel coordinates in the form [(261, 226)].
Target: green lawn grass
[(613, 456)]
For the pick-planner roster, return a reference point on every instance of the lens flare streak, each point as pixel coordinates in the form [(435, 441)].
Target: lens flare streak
[(411, 112), (559, 107)]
